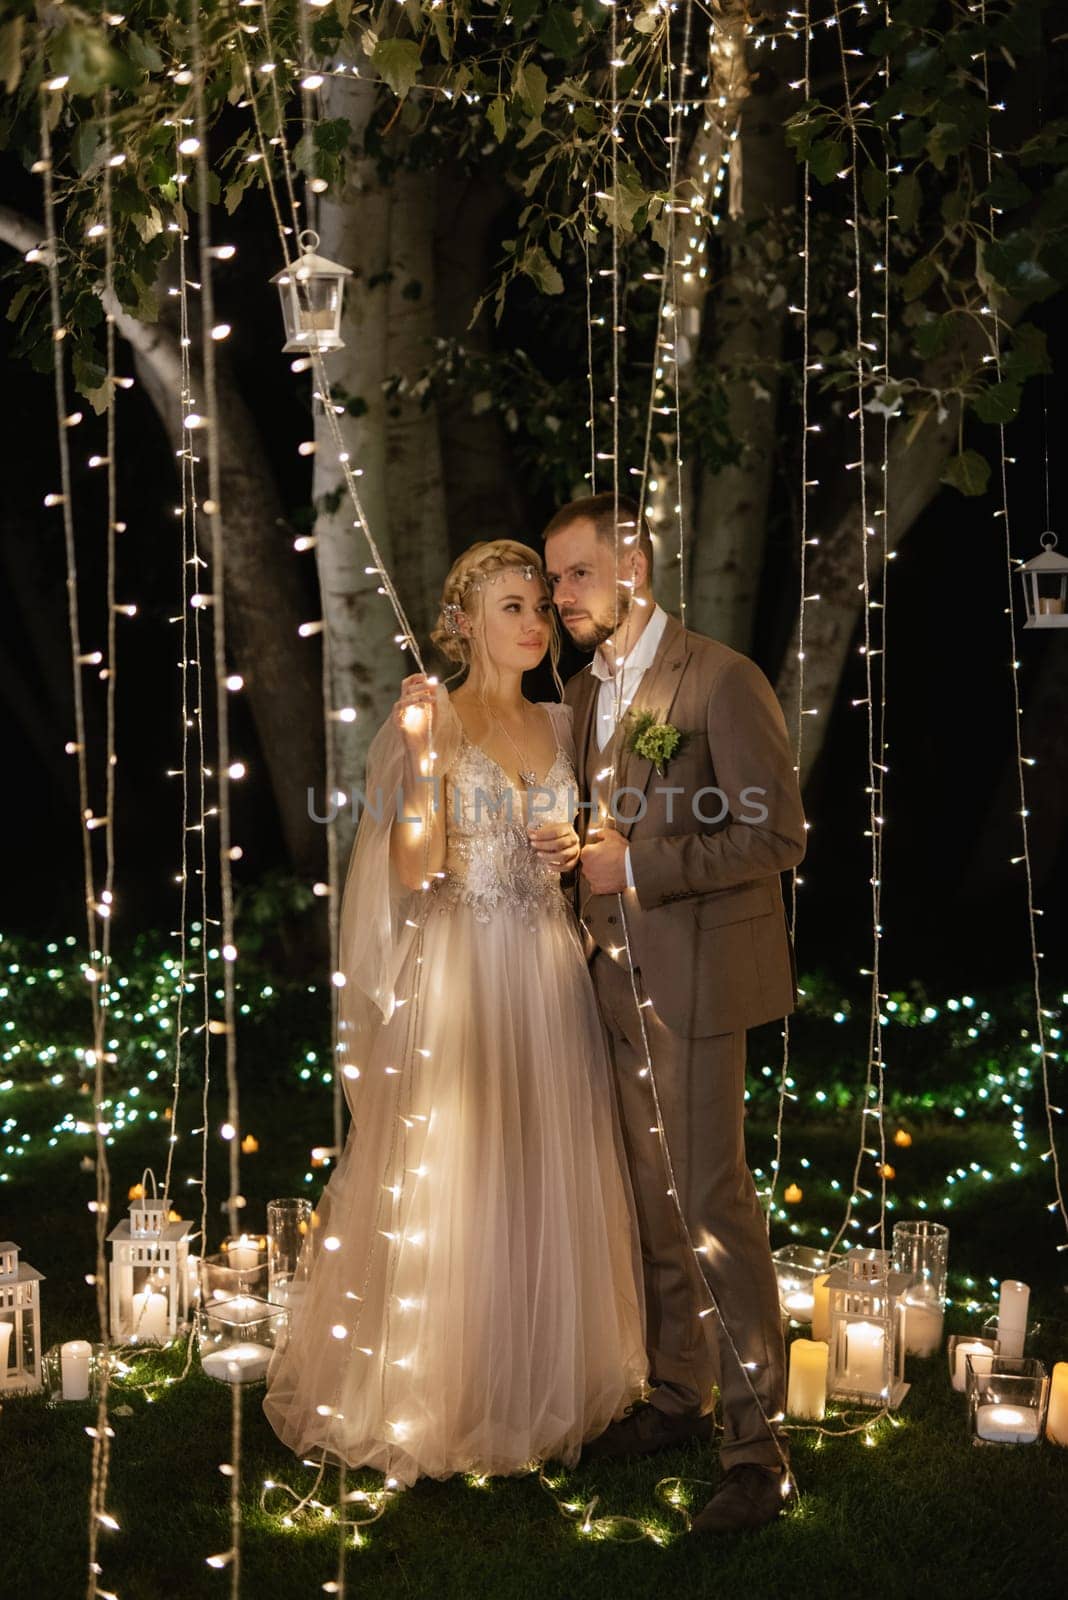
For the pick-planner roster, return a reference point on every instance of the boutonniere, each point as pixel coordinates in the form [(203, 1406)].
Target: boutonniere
[(653, 741)]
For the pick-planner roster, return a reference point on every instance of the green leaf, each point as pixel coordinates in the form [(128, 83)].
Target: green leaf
[(825, 159), (498, 118), (1007, 192), (537, 265), (398, 62), (918, 278), (998, 404), (17, 301), (84, 145), (333, 135), (621, 202), (521, 11), (11, 53), (944, 140), (531, 84), (907, 196), (967, 472), (1028, 356), (873, 182), (558, 32), (143, 53), (932, 337)]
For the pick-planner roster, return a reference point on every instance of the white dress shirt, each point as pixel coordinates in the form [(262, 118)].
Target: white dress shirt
[(615, 697)]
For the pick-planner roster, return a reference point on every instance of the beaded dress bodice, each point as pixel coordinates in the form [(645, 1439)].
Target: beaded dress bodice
[(490, 865)]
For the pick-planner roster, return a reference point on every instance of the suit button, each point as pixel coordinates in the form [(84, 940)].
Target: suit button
[(611, 919)]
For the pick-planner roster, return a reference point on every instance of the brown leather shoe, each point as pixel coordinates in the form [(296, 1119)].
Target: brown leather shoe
[(643, 1429), (748, 1497)]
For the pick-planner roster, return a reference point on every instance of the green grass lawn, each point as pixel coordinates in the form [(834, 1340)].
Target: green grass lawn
[(919, 1512)]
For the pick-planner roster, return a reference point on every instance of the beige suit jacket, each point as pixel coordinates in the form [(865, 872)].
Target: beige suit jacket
[(706, 918)]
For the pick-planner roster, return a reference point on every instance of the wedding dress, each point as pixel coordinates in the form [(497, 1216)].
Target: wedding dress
[(469, 1296)]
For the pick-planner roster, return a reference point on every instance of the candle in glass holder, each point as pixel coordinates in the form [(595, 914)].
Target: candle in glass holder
[(982, 1355), (865, 1355), (150, 1314), (237, 1363), (1057, 1417), (1012, 1317), (243, 1253), (74, 1368), (1050, 606), (6, 1330), (999, 1424), (923, 1323), (807, 1391)]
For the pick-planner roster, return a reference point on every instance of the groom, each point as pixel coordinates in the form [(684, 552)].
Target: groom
[(695, 851)]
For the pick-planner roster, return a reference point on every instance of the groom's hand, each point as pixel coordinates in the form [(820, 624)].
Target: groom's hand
[(604, 858)]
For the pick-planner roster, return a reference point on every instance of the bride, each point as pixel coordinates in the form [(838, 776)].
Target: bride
[(469, 1299)]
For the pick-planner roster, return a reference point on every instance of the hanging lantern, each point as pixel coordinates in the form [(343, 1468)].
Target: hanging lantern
[(1045, 581), (149, 1272), (312, 291), (20, 1323), (867, 1315)]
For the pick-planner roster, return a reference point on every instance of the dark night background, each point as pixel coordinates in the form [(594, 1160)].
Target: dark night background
[(949, 698)]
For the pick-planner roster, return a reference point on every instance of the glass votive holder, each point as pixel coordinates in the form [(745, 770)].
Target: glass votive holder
[(1007, 1405), (921, 1250), (796, 1268), (990, 1330), (221, 1278), (289, 1223), (73, 1371), (962, 1346), (238, 1337)]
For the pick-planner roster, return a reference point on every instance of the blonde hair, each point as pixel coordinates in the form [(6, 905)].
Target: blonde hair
[(467, 576)]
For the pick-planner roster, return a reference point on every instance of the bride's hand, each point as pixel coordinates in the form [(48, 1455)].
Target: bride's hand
[(411, 713), (556, 844)]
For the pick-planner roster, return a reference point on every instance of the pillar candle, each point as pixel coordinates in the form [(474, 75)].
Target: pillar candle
[(243, 1253), (1012, 1317), (150, 1314), (821, 1307), (982, 1359), (807, 1391), (923, 1324), (1057, 1416), (6, 1330), (74, 1368), (865, 1349)]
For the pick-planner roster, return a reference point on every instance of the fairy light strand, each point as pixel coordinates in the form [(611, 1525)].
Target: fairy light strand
[(1025, 834)]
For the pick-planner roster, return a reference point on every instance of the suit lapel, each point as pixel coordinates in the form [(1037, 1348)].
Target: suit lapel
[(656, 692), (583, 727)]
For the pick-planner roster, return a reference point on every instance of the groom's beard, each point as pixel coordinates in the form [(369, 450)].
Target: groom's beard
[(590, 631)]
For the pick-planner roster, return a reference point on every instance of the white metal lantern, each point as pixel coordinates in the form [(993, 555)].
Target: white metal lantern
[(867, 1316), (149, 1272), (20, 1323), (312, 292), (1045, 581)]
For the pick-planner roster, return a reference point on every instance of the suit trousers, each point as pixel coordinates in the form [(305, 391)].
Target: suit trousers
[(700, 1084)]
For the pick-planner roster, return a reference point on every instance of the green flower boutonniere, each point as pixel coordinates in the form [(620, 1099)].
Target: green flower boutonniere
[(654, 741)]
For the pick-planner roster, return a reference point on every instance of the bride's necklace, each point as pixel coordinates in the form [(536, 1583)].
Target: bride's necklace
[(528, 776)]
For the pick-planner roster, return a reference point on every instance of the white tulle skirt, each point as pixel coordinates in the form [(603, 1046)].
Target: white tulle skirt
[(472, 1299)]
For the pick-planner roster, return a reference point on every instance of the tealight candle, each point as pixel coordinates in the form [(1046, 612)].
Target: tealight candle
[(999, 1424), (799, 1304), (243, 1253), (237, 1363), (806, 1394), (74, 1368), (1012, 1317)]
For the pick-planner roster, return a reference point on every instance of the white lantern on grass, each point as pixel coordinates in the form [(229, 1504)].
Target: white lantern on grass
[(20, 1323), (867, 1315), (312, 292), (149, 1272)]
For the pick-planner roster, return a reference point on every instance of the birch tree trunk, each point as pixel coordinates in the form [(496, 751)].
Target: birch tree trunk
[(416, 483), (365, 664)]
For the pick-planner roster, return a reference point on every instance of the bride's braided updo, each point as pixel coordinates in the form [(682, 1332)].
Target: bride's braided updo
[(467, 576)]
